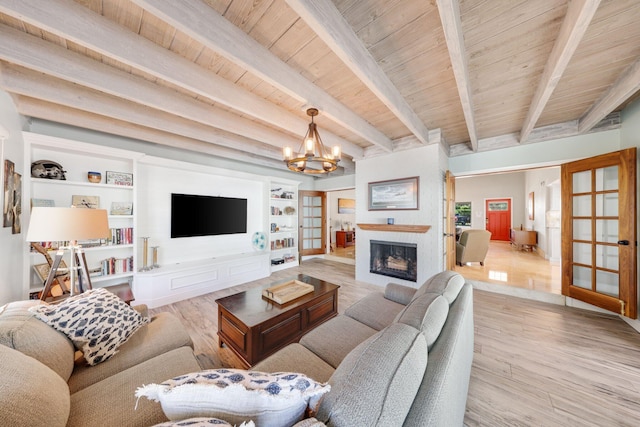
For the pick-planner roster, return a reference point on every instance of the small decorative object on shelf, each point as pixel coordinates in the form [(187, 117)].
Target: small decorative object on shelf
[(88, 202), (47, 169), (390, 221), (155, 257), (120, 178), (94, 177), (145, 254), (121, 208), (259, 240), (289, 210)]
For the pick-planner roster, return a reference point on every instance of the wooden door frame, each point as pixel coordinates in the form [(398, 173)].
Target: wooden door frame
[(627, 275)]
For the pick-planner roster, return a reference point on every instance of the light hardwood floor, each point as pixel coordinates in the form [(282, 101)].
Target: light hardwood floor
[(505, 265), (535, 364)]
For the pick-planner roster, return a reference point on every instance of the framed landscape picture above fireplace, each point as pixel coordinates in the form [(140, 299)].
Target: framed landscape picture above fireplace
[(397, 194)]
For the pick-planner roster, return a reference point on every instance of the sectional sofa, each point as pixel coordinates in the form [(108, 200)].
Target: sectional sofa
[(397, 357), (42, 383)]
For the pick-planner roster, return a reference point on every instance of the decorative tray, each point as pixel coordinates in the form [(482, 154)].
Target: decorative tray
[(287, 291)]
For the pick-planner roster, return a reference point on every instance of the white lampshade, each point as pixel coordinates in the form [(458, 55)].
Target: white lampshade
[(55, 224)]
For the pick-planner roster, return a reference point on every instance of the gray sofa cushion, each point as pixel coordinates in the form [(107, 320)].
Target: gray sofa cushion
[(375, 311), (164, 333), (22, 331), (442, 398), (334, 339), (31, 393), (98, 404), (376, 383), (399, 293), (296, 358), (428, 313), (447, 283)]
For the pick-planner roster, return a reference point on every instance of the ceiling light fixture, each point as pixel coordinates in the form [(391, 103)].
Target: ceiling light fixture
[(312, 157)]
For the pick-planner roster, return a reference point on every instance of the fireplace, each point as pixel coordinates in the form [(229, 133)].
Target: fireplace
[(394, 259)]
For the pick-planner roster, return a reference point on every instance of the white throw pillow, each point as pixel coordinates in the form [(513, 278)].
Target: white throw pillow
[(236, 396), (97, 321), (202, 422)]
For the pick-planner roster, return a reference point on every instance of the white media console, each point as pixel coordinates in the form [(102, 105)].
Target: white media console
[(176, 282)]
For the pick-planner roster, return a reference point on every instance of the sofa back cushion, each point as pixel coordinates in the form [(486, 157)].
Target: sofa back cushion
[(447, 283), (376, 383), (427, 313), (32, 394), (22, 331)]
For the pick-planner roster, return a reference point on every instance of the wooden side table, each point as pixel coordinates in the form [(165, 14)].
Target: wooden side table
[(123, 291), (345, 238), (523, 239)]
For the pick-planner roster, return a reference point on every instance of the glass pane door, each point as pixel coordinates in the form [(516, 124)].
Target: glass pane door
[(599, 231), (312, 222)]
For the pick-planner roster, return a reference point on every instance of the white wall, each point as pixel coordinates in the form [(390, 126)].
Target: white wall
[(548, 153), (160, 178), (425, 163), (477, 189), (11, 248), (538, 181)]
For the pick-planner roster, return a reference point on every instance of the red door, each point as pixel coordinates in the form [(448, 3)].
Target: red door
[(498, 213)]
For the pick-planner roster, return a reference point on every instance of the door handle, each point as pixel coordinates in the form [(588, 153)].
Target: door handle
[(623, 242)]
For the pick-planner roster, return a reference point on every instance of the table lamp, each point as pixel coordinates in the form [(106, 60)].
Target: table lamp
[(68, 224)]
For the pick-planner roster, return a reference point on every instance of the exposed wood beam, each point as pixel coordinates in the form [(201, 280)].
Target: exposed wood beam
[(61, 114), (327, 22), (540, 134), (574, 26), (80, 25), (450, 16), (33, 84), (627, 84), (37, 54), (202, 23)]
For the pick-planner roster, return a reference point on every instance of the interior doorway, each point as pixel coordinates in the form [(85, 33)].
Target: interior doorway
[(509, 265), (341, 225)]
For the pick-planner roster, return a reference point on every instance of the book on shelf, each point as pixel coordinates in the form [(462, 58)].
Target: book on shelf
[(116, 265), (120, 236)]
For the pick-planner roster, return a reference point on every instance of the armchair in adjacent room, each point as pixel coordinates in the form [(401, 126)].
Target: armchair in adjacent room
[(472, 246)]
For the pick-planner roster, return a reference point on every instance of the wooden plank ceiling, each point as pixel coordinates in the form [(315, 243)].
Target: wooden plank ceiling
[(233, 78)]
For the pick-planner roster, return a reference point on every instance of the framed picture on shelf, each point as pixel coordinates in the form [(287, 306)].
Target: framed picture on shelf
[(120, 178), (121, 208), (397, 194), (42, 270), (87, 202), (43, 203)]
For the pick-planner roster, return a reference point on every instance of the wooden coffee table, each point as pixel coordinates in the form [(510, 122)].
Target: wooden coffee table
[(254, 327)]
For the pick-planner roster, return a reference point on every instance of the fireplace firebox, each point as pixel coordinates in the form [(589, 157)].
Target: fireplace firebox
[(394, 259)]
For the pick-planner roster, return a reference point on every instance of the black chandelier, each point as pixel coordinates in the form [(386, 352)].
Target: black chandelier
[(312, 157)]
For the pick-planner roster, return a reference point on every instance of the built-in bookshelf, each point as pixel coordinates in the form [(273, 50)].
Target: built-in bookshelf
[(110, 260), (283, 224)]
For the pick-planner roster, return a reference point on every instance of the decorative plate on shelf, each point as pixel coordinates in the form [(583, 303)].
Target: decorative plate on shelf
[(259, 240)]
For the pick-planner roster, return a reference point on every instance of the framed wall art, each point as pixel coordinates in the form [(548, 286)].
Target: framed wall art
[(119, 178), (346, 206), (397, 194), (530, 206)]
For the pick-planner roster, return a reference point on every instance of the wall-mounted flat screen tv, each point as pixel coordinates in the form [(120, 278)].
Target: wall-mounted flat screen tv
[(195, 215)]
